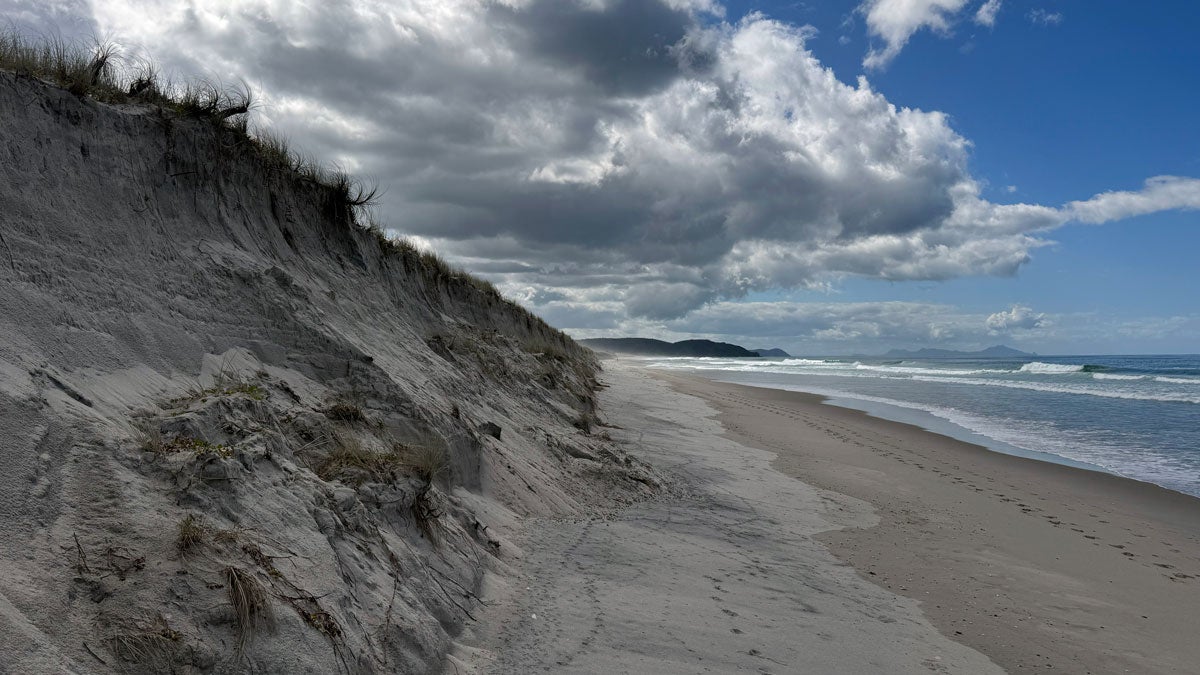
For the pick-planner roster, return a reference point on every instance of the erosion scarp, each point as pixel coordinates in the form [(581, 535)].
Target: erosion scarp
[(240, 432)]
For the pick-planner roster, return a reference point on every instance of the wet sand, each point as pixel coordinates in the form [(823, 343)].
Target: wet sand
[(1038, 566)]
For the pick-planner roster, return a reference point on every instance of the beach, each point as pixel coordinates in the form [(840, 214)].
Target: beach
[(805, 538), (1036, 565)]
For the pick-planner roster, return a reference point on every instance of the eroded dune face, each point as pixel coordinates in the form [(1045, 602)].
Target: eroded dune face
[(237, 432)]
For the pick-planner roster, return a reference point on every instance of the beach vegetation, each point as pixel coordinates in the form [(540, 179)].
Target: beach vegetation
[(148, 643), (428, 460), (348, 456), (345, 410), (249, 602), (192, 534)]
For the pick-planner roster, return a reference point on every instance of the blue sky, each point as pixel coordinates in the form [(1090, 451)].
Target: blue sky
[(1100, 100), (1005, 171)]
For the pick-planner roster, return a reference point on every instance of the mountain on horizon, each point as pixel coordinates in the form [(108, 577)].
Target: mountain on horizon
[(996, 351), (772, 352), (652, 347)]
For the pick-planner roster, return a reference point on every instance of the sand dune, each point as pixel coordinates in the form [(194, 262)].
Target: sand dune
[(241, 433)]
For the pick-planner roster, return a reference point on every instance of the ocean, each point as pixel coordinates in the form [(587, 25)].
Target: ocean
[(1134, 416)]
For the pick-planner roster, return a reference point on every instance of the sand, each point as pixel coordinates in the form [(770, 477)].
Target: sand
[(723, 574), (800, 537), (179, 325), (1036, 565)]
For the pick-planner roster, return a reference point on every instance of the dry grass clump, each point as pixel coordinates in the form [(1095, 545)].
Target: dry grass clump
[(427, 460), (345, 411), (154, 644), (251, 606), (151, 438), (349, 456), (192, 534)]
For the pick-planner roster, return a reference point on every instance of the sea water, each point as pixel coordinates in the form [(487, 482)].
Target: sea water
[(1135, 416)]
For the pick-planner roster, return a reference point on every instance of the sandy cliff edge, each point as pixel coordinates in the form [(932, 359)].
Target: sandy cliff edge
[(239, 435)]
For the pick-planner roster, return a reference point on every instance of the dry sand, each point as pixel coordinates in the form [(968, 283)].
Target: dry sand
[(722, 576), (1037, 565)]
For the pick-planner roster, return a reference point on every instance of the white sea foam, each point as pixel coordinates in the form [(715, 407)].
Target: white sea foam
[(1069, 389), (1114, 376), (916, 370), (1050, 368), (1178, 380)]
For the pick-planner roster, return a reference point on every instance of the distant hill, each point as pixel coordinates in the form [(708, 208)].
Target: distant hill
[(650, 347), (998, 351), (774, 351)]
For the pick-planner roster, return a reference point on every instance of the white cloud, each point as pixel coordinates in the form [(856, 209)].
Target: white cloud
[(1017, 317), (1160, 193), (895, 21), (986, 15), (630, 156), (1043, 17)]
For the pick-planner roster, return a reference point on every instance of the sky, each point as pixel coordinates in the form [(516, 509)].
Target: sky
[(829, 177)]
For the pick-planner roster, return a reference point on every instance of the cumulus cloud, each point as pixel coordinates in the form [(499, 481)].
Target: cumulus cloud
[(986, 14), (1017, 317), (637, 159), (895, 21)]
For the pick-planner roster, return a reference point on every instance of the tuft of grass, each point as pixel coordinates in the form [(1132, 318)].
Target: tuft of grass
[(251, 607), (351, 191), (151, 438), (154, 644), (349, 456), (192, 534), (427, 460), (345, 411), (80, 68)]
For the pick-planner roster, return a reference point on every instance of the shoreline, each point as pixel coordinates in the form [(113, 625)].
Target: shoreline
[(1033, 563), (948, 428)]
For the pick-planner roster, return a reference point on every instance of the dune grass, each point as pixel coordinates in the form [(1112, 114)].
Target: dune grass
[(192, 534), (250, 604), (152, 644)]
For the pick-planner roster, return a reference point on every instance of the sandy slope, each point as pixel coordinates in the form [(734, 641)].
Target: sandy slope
[(176, 320), (1039, 566), (724, 576)]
